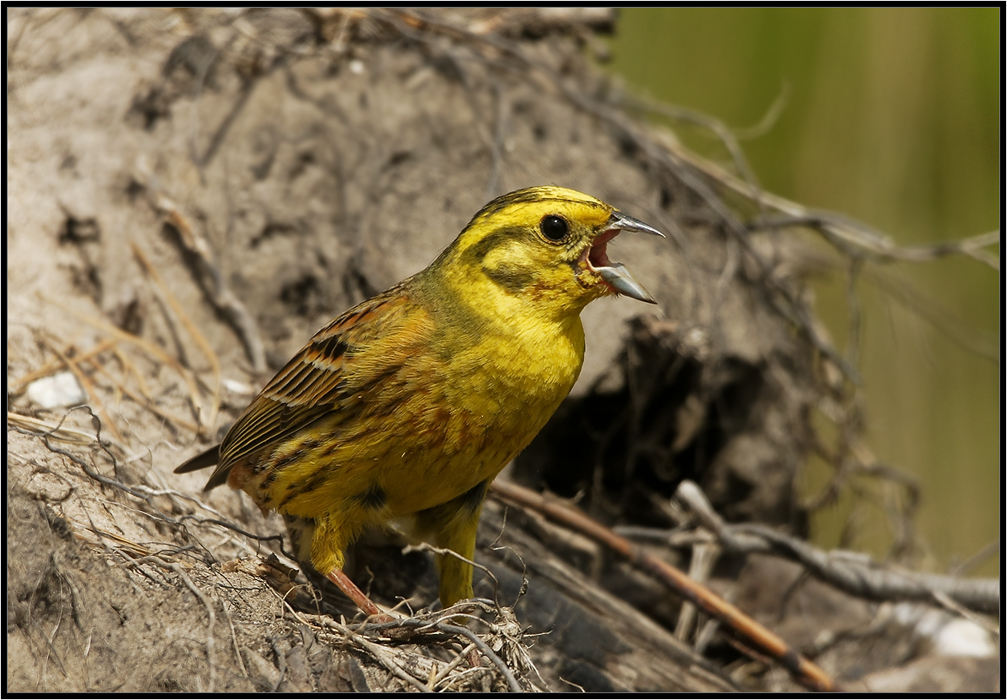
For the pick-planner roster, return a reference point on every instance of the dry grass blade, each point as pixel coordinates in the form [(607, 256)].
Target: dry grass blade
[(54, 366), (135, 551), (35, 426), (210, 276), (86, 384), (153, 350), (191, 328), (145, 402), (128, 367)]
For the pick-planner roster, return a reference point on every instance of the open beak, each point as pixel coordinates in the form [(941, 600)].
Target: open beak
[(615, 274)]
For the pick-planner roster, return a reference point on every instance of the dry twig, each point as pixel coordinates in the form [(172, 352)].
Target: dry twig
[(153, 350), (86, 383), (210, 643), (853, 573), (208, 273), (191, 328), (54, 366), (803, 670)]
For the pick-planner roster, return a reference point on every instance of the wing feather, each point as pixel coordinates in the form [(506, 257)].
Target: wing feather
[(324, 378)]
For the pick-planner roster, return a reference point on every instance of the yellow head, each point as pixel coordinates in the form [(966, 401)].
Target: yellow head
[(541, 249)]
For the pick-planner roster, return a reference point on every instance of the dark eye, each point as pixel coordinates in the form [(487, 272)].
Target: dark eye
[(554, 227)]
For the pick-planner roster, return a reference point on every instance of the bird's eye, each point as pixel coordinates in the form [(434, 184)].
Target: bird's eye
[(554, 227)]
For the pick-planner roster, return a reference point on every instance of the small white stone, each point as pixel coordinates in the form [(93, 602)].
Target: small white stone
[(237, 387), (57, 391), (356, 66), (963, 638)]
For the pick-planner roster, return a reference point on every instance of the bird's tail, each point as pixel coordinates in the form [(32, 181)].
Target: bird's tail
[(200, 461), (204, 460)]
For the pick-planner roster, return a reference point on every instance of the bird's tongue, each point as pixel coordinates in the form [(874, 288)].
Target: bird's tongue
[(599, 249), (615, 274)]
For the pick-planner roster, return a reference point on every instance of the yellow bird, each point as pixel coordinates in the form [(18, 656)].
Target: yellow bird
[(405, 408)]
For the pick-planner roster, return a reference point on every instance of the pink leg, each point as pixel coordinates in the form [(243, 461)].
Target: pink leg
[(365, 604)]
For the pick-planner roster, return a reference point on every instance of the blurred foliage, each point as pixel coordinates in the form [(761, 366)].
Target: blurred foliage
[(891, 116)]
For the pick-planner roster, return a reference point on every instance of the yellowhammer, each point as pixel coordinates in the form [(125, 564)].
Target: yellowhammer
[(407, 406)]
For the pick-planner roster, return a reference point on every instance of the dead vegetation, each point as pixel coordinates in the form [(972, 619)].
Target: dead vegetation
[(193, 192)]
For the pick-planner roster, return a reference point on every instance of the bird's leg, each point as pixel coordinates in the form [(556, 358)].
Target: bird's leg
[(453, 526), (320, 545), (366, 605)]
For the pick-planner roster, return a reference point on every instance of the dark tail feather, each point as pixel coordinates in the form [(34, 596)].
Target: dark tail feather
[(200, 461), (218, 477)]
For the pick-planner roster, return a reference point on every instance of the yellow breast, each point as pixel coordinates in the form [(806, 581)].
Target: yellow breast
[(446, 422)]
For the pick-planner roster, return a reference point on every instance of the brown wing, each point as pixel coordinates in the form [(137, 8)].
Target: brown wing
[(318, 380)]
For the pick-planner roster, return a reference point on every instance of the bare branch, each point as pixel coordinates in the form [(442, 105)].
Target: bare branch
[(851, 572), (803, 670)]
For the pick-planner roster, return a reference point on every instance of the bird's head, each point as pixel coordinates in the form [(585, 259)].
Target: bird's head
[(545, 246)]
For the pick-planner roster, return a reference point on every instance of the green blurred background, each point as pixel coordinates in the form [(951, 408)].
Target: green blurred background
[(891, 117)]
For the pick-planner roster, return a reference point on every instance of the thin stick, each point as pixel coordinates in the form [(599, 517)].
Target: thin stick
[(86, 384), (977, 558), (129, 367), (148, 347), (210, 277), (442, 674), (53, 366), (36, 427), (804, 671), (145, 402), (856, 575), (704, 558), (191, 328), (210, 643)]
